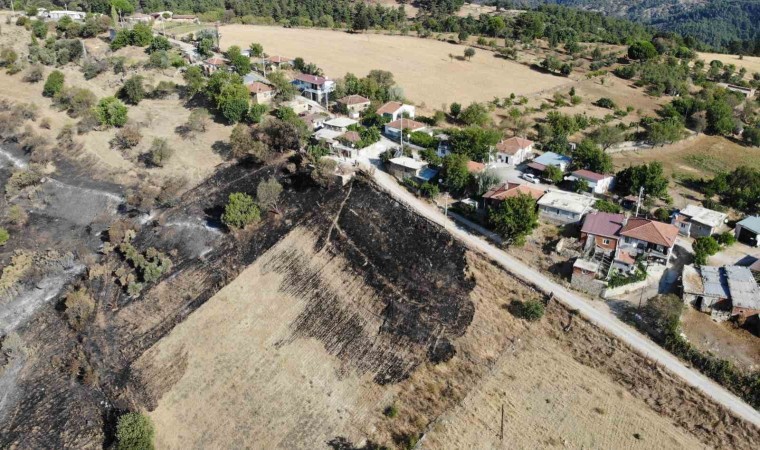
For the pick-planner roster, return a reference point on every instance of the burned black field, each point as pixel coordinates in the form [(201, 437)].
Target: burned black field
[(79, 379)]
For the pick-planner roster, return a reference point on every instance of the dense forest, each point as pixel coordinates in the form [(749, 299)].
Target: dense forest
[(730, 25)]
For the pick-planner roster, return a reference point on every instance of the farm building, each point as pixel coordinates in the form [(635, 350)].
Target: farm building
[(564, 207), (724, 292), (513, 151), (748, 231), (696, 221)]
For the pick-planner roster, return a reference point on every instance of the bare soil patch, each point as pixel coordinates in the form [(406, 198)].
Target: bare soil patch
[(421, 66), (721, 339), (751, 63)]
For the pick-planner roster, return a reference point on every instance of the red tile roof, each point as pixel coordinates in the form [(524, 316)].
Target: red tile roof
[(351, 136), (538, 166), (508, 190), (603, 224), (389, 108), (353, 100), (513, 145), (214, 61), (258, 88), (625, 258), (589, 175), (313, 79), (475, 167), (651, 231), (408, 124), (278, 59)]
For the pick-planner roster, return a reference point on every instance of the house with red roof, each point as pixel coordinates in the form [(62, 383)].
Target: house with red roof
[(601, 230), (597, 183), (393, 129), (497, 194), (276, 61), (314, 87), (648, 238), (213, 64), (513, 151), (354, 105), (395, 110), (261, 93)]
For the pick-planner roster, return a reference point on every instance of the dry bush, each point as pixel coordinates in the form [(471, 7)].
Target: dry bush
[(120, 230), (143, 198), (75, 101), (45, 123), (17, 216), (88, 122), (9, 124), (127, 137), (170, 191), (27, 111), (79, 307), (35, 74), (21, 179)]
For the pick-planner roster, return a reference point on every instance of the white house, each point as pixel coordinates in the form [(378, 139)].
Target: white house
[(74, 15), (696, 221), (598, 183), (405, 167), (512, 151), (564, 207), (393, 129), (314, 87), (396, 110)]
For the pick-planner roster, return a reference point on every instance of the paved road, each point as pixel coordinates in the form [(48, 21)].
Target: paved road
[(575, 301)]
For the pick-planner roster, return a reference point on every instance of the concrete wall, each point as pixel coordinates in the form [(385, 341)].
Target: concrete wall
[(588, 284)]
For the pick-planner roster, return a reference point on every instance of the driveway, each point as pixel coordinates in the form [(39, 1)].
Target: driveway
[(512, 174), (603, 319)]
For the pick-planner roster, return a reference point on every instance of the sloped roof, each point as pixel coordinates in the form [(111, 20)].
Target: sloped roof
[(589, 175), (703, 215), (351, 136), (313, 79), (743, 288), (389, 108), (353, 100), (553, 159), (278, 59), (513, 145), (603, 224), (257, 88), (651, 231), (751, 223), (475, 167), (408, 124), (508, 190), (692, 280), (214, 61)]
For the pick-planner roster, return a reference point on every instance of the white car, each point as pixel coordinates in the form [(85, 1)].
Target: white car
[(530, 178)]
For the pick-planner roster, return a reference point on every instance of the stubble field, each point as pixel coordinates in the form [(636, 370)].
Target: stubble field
[(421, 66)]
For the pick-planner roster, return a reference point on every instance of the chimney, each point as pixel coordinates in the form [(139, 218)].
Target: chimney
[(625, 219)]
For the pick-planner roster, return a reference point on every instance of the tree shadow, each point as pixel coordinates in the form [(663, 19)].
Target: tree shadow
[(223, 149)]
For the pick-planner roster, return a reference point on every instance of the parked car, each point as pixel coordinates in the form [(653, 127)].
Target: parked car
[(530, 178)]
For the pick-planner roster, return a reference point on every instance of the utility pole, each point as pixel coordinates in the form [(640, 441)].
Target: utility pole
[(638, 202)]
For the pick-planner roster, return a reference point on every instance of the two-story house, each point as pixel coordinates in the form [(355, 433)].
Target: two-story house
[(354, 105), (649, 238), (314, 87)]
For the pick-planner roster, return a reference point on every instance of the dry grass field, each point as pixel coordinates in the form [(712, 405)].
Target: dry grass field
[(421, 66), (235, 373), (700, 156), (751, 63)]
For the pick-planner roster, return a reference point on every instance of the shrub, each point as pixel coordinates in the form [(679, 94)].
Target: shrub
[(75, 101), (35, 74), (110, 111), (163, 89), (4, 236), (726, 238), (39, 29), (703, 248), (198, 121), (121, 40), (160, 152), (159, 43), (92, 68), (240, 211), (159, 60), (605, 102), (134, 431), (607, 206), (21, 179), (268, 194), (141, 35), (127, 137), (54, 84), (79, 307), (530, 310), (391, 412), (133, 91), (429, 190)]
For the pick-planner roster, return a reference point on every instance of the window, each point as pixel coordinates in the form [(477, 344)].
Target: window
[(605, 241)]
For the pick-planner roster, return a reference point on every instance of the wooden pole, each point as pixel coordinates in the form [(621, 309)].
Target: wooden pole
[(502, 421)]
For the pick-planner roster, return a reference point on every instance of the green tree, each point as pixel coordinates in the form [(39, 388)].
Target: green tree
[(141, 35), (704, 247), (642, 51), (256, 50), (751, 136), (206, 47), (607, 136), (649, 176), (475, 114), (607, 206), (110, 111), (285, 89), (39, 29), (581, 186), (589, 156), (455, 174), (239, 62), (553, 174), (195, 82), (160, 152), (133, 91), (268, 194), (475, 142), (159, 43), (720, 118), (514, 218), (455, 109), (53, 84), (134, 431), (4, 236), (256, 113), (122, 39), (240, 211), (469, 52), (123, 7)]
